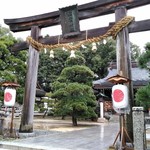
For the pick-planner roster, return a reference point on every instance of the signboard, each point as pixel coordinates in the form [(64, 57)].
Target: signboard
[(69, 21)]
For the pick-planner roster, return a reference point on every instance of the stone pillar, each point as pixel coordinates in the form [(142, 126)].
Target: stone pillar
[(139, 129), (101, 118), (101, 110), (1, 125)]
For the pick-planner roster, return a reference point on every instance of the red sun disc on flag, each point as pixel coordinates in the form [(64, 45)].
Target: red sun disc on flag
[(118, 95), (7, 96)]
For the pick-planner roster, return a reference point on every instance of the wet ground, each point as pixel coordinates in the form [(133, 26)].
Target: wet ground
[(97, 137), (60, 135)]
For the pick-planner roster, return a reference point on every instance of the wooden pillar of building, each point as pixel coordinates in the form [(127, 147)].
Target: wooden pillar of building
[(26, 124), (124, 63)]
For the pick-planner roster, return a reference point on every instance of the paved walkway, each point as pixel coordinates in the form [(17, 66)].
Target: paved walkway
[(98, 137), (87, 136), (60, 135)]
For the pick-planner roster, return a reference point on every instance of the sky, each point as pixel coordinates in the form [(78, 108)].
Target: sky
[(11, 9)]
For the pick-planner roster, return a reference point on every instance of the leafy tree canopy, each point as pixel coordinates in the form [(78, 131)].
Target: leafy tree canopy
[(144, 59), (135, 51), (143, 97), (74, 95), (97, 60), (12, 66), (143, 94), (76, 73), (50, 68)]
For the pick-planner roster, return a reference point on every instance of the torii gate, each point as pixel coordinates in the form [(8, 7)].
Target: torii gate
[(85, 11)]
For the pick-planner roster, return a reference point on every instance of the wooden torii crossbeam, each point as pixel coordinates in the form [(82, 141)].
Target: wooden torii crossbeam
[(86, 11), (135, 26), (89, 10)]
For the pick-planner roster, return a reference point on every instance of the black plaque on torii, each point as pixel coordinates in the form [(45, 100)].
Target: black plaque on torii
[(69, 21)]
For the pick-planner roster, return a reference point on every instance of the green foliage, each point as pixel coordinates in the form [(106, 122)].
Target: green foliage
[(135, 52), (76, 73), (143, 94), (20, 94), (50, 68), (12, 66), (73, 92), (78, 60), (143, 97), (145, 57), (75, 98), (98, 60)]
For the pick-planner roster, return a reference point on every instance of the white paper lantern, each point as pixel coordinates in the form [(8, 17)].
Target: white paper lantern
[(120, 96), (9, 97)]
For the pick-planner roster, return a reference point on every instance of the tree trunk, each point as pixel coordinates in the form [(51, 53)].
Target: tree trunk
[(74, 118)]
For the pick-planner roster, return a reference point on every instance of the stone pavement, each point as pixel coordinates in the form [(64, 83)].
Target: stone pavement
[(98, 137), (60, 135)]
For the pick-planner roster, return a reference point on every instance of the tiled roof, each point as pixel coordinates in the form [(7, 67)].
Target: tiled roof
[(140, 77)]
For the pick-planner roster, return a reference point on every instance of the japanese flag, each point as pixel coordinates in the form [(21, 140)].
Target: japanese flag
[(9, 97), (120, 96)]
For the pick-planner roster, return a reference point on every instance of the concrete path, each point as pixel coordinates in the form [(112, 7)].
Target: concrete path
[(60, 135), (97, 137)]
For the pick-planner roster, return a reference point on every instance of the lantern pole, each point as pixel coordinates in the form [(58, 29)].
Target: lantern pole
[(14, 86), (12, 119), (117, 79)]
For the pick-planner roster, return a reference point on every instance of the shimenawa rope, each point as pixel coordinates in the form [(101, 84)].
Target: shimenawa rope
[(113, 31)]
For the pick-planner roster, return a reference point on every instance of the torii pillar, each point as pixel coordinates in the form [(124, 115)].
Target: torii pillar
[(26, 124), (124, 62)]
